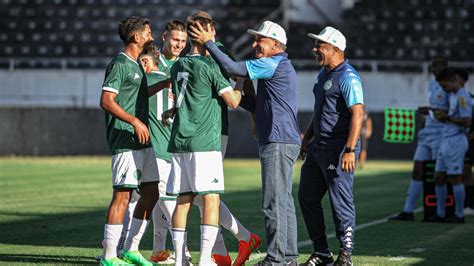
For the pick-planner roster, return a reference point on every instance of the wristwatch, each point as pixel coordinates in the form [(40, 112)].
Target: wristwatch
[(349, 150)]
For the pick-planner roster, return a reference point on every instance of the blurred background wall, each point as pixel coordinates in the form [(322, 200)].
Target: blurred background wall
[(53, 54)]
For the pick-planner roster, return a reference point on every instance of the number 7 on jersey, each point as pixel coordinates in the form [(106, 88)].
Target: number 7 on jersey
[(182, 91)]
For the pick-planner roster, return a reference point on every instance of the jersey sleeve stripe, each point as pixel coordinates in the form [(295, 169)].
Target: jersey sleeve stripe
[(226, 89), (110, 89)]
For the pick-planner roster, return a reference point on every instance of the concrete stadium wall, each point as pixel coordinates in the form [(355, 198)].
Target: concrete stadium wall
[(72, 131), (56, 112), (81, 89)]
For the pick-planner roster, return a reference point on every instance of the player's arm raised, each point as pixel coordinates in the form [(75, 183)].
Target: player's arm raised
[(108, 103), (155, 88)]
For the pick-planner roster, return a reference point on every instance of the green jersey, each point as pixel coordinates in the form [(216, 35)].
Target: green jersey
[(165, 65), (160, 102), (197, 85), (125, 77)]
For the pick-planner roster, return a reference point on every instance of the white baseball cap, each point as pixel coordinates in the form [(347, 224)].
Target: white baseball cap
[(332, 36), (271, 30)]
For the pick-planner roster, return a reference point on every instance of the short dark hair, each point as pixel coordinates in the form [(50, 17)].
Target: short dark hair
[(129, 26), (447, 74), (175, 24), (152, 51), (462, 73)]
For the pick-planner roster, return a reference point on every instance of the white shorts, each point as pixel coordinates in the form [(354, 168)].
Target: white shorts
[(164, 171), (131, 168), (196, 173)]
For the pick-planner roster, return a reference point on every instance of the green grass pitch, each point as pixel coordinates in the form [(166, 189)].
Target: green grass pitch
[(52, 211)]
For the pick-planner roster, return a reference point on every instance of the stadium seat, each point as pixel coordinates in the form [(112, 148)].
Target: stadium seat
[(398, 26)]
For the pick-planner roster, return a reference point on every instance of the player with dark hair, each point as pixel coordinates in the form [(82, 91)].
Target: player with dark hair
[(453, 147), (195, 143), (428, 139), (174, 41), (159, 137), (125, 102)]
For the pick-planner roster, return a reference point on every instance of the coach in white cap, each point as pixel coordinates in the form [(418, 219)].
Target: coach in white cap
[(330, 158), (278, 134)]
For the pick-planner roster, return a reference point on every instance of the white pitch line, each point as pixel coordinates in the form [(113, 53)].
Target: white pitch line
[(358, 227), (330, 236)]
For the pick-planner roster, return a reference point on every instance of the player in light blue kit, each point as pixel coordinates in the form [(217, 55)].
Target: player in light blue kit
[(428, 139), (454, 144)]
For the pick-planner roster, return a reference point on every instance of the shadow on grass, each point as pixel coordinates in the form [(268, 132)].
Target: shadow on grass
[(29, 258), (376, 197)]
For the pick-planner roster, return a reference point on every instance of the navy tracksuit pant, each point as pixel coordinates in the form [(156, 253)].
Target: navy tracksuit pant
[(321, 173)]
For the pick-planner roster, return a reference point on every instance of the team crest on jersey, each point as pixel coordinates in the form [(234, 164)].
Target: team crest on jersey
[(327, 85), (462, 102), (136, 76)]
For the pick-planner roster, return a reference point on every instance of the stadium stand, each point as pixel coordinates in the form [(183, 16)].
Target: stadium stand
[(401, 30), (82, 34), (44, 33)]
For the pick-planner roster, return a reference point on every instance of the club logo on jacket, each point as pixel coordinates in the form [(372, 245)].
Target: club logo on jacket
[(327, 85)]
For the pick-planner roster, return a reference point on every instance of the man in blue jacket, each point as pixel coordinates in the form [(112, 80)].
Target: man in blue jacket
[(278, 133), (330, 159)]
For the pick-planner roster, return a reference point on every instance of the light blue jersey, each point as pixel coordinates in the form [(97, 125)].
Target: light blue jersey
[(454, 143), (459, 107), (438, 99), (262, 68), (430, 136)]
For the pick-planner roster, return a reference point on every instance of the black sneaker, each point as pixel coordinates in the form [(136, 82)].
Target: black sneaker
[(434, 219), (319, 259), (403, 216), (454, 220), (344, 259)]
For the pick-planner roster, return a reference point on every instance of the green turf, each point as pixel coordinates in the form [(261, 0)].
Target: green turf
[(52, 212)]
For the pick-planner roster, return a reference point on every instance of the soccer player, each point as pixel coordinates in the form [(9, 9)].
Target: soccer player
[(453, 147), (174, 39), (195, 144), (125, 102), (428, 139), (159, 136), (468, 178)]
